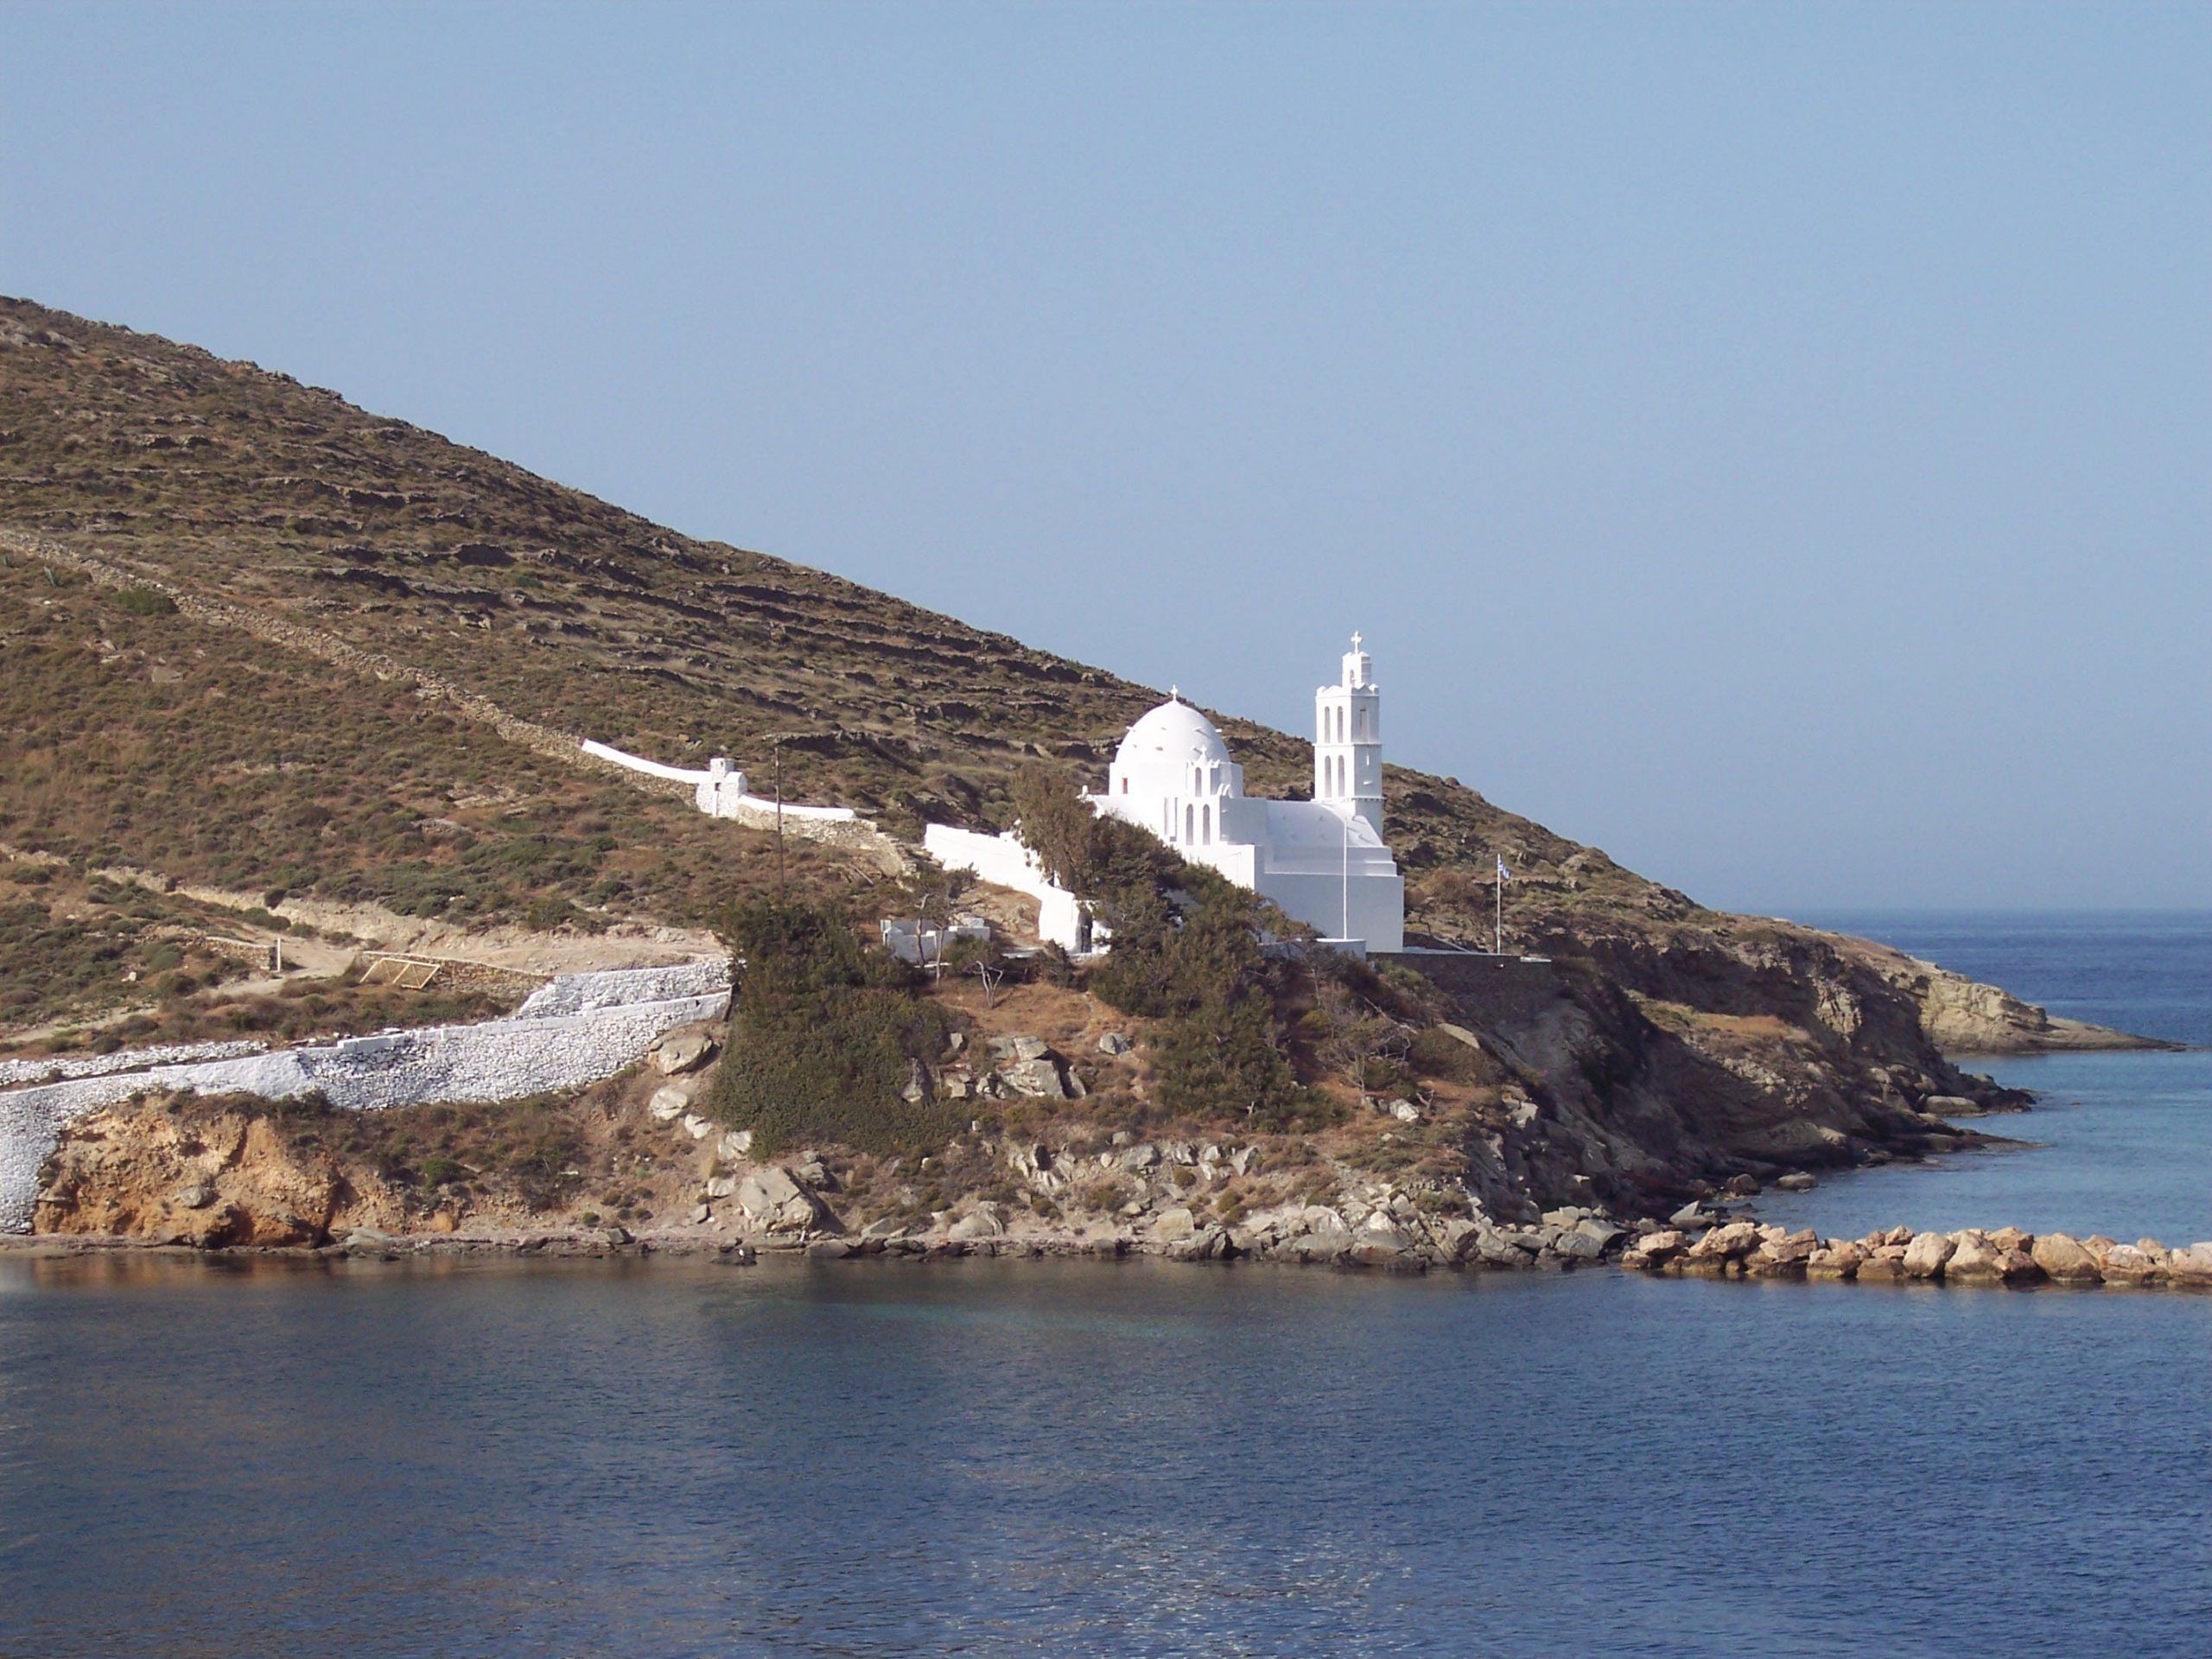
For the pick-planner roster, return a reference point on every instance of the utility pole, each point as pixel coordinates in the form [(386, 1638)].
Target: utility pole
[(780, 890)]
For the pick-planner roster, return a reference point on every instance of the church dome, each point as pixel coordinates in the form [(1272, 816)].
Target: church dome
[(1174, 733)]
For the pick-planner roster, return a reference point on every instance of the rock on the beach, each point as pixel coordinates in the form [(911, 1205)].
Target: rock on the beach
[(1783, 1257), (1840, 1259), (2191, 1265), (1881, 1261), (2064, 1260), (773, 1198), (1655, 1250), (982, 1221), (1172, 1224), (2133, 1264), (1925, 1256), (1733, 1241)]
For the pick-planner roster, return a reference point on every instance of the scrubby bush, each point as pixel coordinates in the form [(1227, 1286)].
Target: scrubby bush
[(142, 601), (823, 1036)]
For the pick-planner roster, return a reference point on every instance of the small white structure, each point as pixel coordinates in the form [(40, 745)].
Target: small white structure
[(924, 942), (719, 790), (1323, 861)]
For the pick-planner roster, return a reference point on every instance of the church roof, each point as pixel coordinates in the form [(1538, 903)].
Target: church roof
[(1175, 732)]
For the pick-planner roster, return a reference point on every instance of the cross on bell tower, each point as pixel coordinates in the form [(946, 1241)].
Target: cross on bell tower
[(1348, 739)]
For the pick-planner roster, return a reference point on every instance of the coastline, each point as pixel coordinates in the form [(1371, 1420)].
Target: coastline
[(2001, 1258)]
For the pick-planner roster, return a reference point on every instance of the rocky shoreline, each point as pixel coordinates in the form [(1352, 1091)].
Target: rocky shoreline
[(1703, 1247)]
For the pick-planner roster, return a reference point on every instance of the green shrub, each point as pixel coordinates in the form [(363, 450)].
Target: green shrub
[(824, 1037), (142, 601)]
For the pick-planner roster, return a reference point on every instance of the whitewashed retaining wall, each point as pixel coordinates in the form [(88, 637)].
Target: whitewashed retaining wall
[(56, 1067), (576, 1030), (719, 790), (1004, 861)]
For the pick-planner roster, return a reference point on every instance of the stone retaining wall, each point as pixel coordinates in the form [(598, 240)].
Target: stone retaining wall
[(578, 1029)]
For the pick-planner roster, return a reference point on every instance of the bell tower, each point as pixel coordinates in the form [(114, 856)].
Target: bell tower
[(1348, 740)]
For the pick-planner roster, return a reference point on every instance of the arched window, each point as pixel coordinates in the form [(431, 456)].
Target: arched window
[(1205, 824), (1190, 823)]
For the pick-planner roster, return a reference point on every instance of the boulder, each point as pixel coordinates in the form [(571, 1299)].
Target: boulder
[(681, 1050), (736, 1146), (1020, 1047), (1885, 1262), (1577, 1246), (982, 1221), (1207, 1244), (1113, 1043), (774, 1199), (197, 1196), (1796, 1181), (670, 1101), (1036, 1076), (1655, 1250), (2191, 1265), (1948, 1105), (1599, 1228), (1782, 1257), (1693, 1214), (1925, 1256), (2130, 1264), (1455, 1237), (1982, 1258), (720, 1186), (2063, 1261), (1732, 1242), (696, 1127), (1172, 1224), (1973, 1257), (1839, 1260)]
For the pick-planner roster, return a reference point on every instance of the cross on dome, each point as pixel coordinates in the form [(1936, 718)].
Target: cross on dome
[(1355, 639)]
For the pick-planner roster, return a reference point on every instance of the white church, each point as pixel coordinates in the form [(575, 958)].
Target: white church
[(1323, 861)]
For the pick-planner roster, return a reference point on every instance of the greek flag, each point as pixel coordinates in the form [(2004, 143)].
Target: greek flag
[(1503, 875)]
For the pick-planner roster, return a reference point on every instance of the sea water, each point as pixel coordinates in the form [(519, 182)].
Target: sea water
[(204, 1458), (2119, 1143)]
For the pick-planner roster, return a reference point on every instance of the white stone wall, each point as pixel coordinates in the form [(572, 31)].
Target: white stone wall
[(1004, 861), (719, 791), (576, 1030), (55, 1067)]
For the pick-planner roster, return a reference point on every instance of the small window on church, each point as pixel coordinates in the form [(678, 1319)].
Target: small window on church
[(1189, 815)]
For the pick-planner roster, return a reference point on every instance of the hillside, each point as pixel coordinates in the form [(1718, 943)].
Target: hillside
[(258, 641)]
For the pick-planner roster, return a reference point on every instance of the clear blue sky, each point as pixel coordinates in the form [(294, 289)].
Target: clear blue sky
[(1774, 444)]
